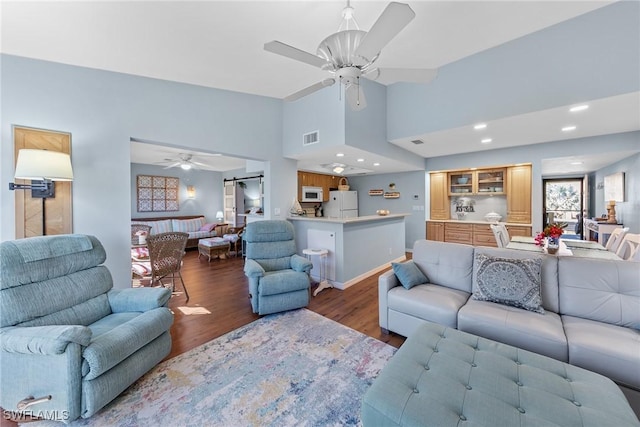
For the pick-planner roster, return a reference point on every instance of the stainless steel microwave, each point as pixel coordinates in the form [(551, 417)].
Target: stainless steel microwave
[(311, 194)]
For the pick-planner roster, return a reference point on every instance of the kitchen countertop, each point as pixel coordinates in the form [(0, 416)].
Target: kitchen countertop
[(347, 220), (457, 221)]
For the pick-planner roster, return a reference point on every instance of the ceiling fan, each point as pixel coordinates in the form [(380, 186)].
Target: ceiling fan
[(185, 161), (350, 53)]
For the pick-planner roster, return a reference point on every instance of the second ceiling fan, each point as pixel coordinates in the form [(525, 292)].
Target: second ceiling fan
[(350, 53)]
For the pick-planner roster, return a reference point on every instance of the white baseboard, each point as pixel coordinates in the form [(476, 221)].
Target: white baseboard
[(349, 283)]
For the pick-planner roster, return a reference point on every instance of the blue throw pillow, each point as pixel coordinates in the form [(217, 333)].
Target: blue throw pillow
[(408, 274)]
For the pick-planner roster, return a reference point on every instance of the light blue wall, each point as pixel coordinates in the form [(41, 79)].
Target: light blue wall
[(592, 56), (629, 141), (104, 110), (410, 185), (627, 212), (208, 186), (367, 129), (321, 111)]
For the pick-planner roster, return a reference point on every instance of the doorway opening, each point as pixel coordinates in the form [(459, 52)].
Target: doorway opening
[(562, 203)]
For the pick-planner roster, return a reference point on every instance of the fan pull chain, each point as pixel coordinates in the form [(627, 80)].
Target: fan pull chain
[(358, 84)]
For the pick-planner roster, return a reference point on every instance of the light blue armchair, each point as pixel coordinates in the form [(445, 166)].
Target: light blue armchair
[(69, 343), (278, 277)]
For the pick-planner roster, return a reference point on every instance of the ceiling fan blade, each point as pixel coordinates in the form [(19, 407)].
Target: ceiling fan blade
[(411, 75), (199, 164), (355, 97), (173, 165), (394, 18), (309, 90), (294, 53)]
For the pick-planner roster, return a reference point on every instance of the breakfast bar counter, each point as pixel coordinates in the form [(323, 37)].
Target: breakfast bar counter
[(358, 247)]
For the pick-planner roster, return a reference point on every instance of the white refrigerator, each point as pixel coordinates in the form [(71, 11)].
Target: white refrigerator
[(341, 204)]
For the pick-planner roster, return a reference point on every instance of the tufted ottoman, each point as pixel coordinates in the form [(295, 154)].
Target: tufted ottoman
[(445, 377)]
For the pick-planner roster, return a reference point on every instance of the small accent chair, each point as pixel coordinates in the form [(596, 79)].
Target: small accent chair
[(278, 277), (69, 342), (501, 234), (234, 236), (166, 251), (629, 247), (616, 238)]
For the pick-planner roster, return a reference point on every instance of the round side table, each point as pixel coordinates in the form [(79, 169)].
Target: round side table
[(322, 253)]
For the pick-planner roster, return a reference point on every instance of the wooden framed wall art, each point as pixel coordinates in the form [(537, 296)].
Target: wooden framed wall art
[(157, 193)]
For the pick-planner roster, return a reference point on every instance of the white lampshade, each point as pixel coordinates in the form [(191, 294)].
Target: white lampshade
[(43, 164), (219, 215)]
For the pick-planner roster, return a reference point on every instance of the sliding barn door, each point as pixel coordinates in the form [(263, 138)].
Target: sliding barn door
[(36, 216)]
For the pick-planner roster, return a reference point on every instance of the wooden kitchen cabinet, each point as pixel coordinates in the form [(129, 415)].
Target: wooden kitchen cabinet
[(519, 230), (435, 231), (439, 199), (483, 236), (490, 181), (310, 179), (456, 232), (461, 183), (519, 194)]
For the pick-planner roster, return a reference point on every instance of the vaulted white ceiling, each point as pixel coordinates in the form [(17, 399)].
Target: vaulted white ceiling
[(219, 44)]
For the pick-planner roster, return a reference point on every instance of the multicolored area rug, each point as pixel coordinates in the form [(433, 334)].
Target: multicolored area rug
[(289, 369)]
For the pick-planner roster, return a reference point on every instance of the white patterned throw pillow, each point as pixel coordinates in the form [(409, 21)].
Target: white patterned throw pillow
[(508, 281)]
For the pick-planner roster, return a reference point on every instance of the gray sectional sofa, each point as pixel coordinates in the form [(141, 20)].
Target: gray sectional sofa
[(591, 307)]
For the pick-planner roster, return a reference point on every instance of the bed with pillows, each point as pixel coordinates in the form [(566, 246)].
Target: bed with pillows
[(196, 226)]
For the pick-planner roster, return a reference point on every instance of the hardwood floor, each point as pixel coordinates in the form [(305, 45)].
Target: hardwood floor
[(221, 287)]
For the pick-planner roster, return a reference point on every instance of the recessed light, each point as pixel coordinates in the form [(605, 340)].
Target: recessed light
[(376, 164), (578, 108), (340, 155), (486, 140), (576, 163), (480, 126), (360, 160), (568, 128)]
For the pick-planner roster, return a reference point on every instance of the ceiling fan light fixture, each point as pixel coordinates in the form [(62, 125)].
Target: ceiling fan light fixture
[(338, 169), (185, 166)]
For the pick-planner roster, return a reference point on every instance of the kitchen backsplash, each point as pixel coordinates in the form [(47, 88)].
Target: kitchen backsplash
[(474, 208)]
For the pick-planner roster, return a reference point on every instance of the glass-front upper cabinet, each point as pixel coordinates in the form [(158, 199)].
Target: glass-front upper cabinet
[(461, 183), (490, 181)]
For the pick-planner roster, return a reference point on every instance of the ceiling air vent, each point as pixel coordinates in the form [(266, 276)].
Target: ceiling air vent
[(311, 138), (418, 141)]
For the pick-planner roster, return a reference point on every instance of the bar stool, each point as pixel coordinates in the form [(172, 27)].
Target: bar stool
[(322, 253)]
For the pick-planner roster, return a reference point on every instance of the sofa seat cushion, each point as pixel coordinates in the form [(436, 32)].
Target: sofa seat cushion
[(283, 281), (430, 302), (120, 335), (608, 349), (201, 234), (540, 333)]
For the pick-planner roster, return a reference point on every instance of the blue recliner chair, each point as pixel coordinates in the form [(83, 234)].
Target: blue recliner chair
[(278, 277), (69, 343)]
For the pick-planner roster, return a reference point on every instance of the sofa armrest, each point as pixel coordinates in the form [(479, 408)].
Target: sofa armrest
[(386, 281), (301, 264), (137, 299), (46, 340), (252, 268)]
